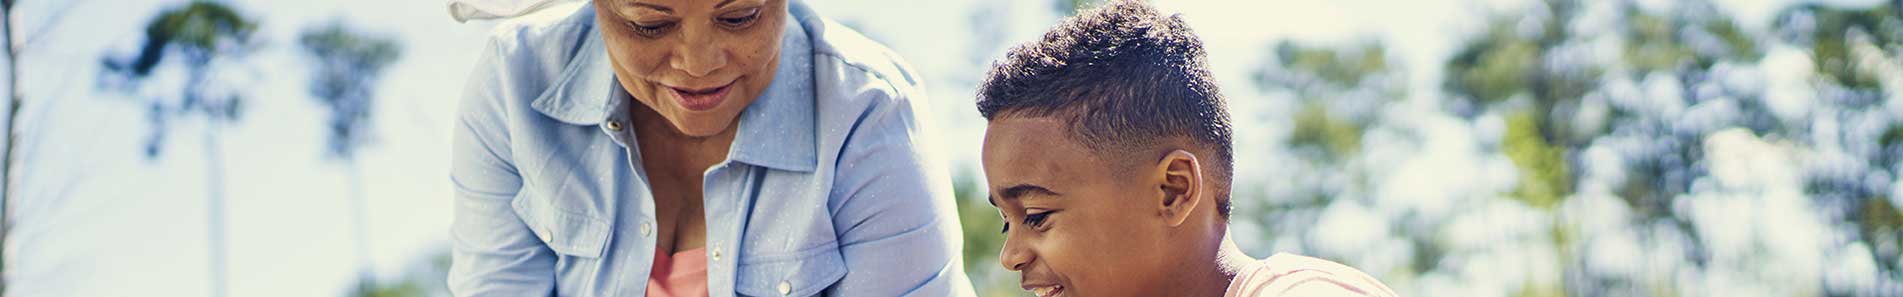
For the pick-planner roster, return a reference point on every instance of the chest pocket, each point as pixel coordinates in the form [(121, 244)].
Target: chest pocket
[(561, 200), (789, 245), (567, 233), (805, 273)]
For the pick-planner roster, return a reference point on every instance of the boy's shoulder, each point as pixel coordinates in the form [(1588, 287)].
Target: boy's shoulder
[(1297, 275)]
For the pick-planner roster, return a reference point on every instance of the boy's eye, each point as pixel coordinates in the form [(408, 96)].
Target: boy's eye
[(1036, 219)]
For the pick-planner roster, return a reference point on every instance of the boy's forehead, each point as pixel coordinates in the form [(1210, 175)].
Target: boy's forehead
[(1018, 142), (1034, 150)]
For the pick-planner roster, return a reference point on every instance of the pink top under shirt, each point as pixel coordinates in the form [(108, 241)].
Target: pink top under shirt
[(681, 275)]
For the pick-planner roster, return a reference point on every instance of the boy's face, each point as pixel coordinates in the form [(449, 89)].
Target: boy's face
[(1073, 226)]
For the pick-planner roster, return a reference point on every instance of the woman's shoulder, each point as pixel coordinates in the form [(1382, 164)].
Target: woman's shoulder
[(559, 26), (863, 89), (537, 46), (530, 60), (848, 61)]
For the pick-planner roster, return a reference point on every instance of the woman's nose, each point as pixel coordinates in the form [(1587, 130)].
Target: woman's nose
[(698, 55)]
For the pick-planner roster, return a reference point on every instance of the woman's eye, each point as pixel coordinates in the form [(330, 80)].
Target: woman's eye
[(649, 30), (743, 19)]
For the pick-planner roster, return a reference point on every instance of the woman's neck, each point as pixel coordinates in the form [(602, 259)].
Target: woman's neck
[(659, 139)]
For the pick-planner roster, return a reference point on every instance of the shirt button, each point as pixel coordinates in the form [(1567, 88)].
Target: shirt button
[(646, 228), (715, 254), (614, 125), (545, 235), (786, 288)]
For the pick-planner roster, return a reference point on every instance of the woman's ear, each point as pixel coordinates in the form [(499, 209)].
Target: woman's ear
[(1179, 178)]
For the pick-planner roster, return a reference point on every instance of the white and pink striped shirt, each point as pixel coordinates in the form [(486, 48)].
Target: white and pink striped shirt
[(1295, 275)]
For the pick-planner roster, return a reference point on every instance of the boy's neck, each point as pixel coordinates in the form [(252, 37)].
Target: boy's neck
[(1217, 273)]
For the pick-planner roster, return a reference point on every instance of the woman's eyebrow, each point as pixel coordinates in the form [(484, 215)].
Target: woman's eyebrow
[(653, 6)]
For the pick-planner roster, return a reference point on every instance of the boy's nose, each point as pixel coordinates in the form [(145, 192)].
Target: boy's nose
[(1013, 257)]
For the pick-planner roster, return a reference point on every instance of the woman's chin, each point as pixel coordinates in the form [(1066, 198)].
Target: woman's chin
[(698, 127)]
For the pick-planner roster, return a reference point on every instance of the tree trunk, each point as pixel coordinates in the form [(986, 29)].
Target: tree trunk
[(215, 190), (360, 221), (6, 149)]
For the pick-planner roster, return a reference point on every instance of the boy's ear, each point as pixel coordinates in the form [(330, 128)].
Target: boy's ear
[(1178, 179)]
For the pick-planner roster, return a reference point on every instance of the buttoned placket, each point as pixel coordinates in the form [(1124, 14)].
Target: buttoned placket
[(619, 128)]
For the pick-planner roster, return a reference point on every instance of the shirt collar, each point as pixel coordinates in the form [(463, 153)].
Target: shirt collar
[(777, 130)]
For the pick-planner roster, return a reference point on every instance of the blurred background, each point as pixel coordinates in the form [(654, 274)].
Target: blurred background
[(1447, 147)]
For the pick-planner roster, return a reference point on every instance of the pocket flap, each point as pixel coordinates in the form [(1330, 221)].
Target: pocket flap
[(567, 233), (803, 274)]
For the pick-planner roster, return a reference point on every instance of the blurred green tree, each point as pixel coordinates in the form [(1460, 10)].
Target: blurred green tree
[(1857, 54), (1579, 88), (205, 35), (348, 65), (429, 278)]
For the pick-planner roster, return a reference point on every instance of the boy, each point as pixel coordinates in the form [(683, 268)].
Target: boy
[(1108, 154)]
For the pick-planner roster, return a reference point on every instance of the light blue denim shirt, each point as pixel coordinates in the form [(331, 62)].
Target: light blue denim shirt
[(828, 188)]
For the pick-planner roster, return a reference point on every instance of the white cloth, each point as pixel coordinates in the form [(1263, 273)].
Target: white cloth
[(465, 10)]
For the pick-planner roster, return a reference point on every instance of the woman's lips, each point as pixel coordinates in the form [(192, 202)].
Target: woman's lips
[(701, 99)]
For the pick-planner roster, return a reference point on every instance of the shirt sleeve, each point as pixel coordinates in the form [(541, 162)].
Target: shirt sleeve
[(493, 251), (897, 229)]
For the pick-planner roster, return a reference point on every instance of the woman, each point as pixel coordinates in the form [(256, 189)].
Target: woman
[(682, 147)]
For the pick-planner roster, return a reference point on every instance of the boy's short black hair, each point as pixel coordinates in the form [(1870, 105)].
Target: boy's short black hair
[(1129, 79)]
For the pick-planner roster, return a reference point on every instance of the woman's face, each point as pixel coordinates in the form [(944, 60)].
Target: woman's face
[(697, 63)]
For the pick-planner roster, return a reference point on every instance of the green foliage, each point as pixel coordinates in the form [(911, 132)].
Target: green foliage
[(1544, 175), (1071, 7), (348, 65), (1661, 43), (199, 33), (1340, 68), (1494, 68), (979, 220), (1830, 31), (199, 30), (426, 279), (1880, 224), (369, 288), (1317, 131), (1654, 46), (1321, 77), (347, 51), (981, 224)]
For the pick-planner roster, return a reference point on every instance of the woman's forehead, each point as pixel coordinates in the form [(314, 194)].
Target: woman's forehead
[(670, 6)]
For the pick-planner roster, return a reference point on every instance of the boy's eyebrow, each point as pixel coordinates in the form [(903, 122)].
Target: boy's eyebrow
[(1019, 191)]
